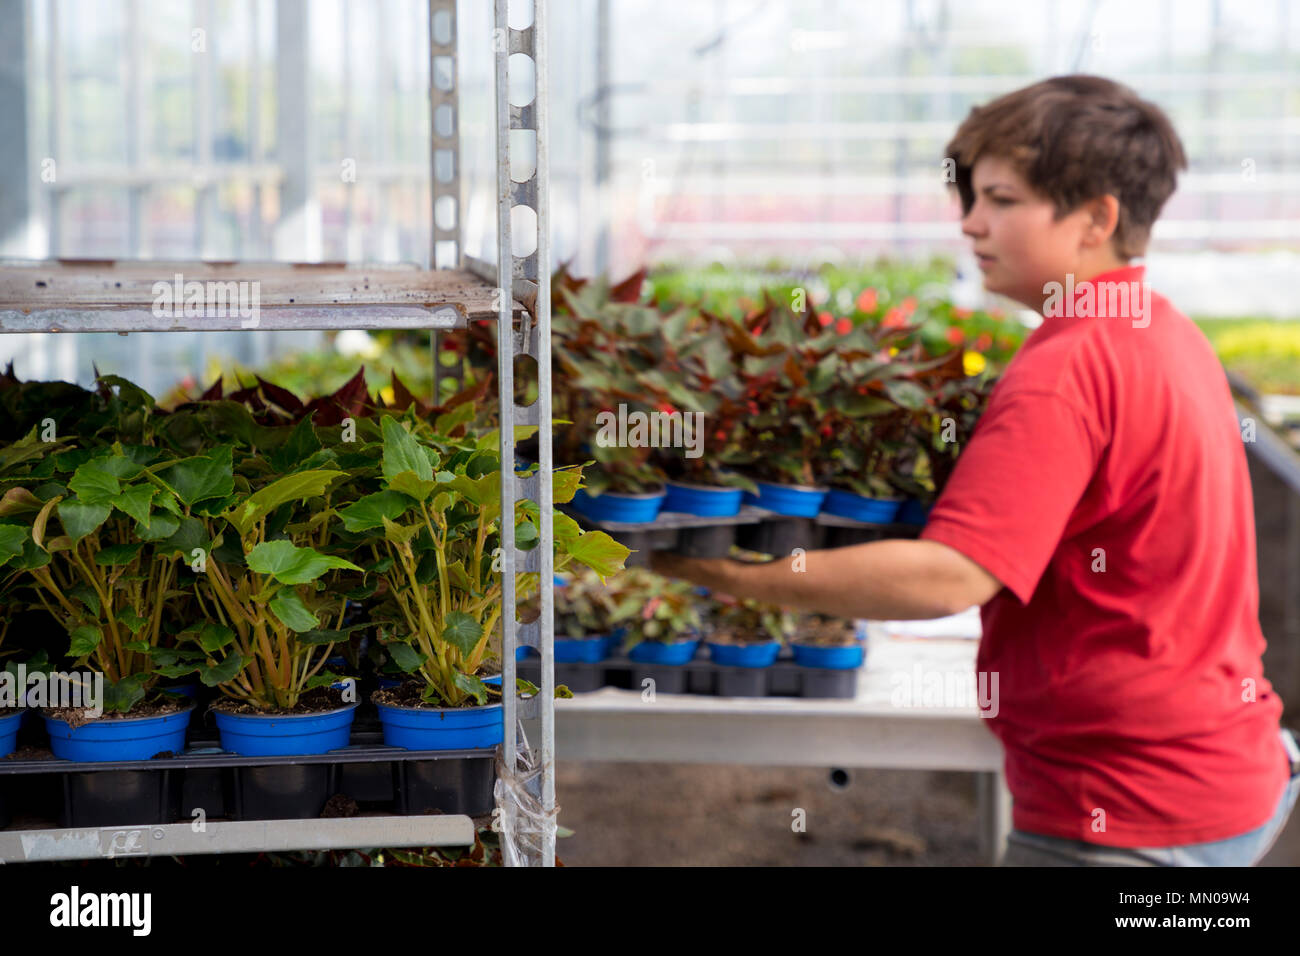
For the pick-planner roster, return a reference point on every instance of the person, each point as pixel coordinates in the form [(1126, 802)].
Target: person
[(1101, 514)]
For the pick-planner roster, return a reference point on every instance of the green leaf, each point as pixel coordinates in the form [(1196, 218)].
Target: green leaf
[(80, 519), (327, 679), (301, 443), (116, 554), (470, 685), (525, 687), (216, 674), (600, 552), (140, 647), (295, 487), (417, 488), (290, 564), (160, 525), (12, 539), (131, 619), (457, 416), (177, 670), (94, 485), (404, 656), (87, 596), (462, 631), (293, 614), (135, 501), (211, 636), (402, 452), (370, 511), (331, 637), (203, 476), (562, 692), (121, 696), (564, 484), (189, 535), (399, 534), (84, 640)]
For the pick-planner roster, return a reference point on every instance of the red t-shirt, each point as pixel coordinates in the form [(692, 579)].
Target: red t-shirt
[(1106, 488)]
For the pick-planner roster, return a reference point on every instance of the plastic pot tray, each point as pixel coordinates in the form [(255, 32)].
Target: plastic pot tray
[(752, 528), (702, 676), (222, 785)]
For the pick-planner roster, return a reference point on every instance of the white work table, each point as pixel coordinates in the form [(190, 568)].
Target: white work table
[(874, 729)]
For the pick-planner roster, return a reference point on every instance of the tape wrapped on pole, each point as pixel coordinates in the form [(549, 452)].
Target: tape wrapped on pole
[(522, 821)]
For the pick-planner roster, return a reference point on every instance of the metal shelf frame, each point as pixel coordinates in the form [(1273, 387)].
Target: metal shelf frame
[(112, 296)]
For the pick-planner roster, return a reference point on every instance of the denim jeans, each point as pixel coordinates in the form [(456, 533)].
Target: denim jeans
[(1034, 849)]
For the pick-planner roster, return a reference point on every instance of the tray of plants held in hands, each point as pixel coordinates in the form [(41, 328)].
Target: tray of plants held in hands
[(639, 630)]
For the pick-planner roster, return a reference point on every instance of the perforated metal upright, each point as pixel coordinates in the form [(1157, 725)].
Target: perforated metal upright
[(528, 277)]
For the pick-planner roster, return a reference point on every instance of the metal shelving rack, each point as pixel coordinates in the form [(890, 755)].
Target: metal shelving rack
[(110, 296)]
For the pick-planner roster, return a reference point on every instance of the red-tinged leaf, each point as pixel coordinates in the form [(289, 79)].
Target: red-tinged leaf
[(213, 394), (282, 397), (402, 397), (629, 290), (352, 390), (794, 372)]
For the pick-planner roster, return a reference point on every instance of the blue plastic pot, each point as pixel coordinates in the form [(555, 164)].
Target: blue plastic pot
[(494, 680), (572, 650), (658, 652), (846, 504), (710, 501), (523, 652), (745, 655), (845, 658), (9, 724), (798, 501), (616, 506), (189, 688), (388, 683), (444, 728), (283, 735), (127, 738), (913, 512)]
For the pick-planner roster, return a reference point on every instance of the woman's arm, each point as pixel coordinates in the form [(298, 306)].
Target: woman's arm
[(894, 580)]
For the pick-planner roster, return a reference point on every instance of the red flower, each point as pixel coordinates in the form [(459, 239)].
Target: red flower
[(908, 305), (984, 342), (867, 300), (665, 408), (844, 326), (962, 313), (824, 318), (997, 314), (894, 319), (956, 336), (720, 435), (753, 408), (827, 430)]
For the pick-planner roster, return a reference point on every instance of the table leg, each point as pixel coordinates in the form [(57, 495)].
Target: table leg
[(993, 806)]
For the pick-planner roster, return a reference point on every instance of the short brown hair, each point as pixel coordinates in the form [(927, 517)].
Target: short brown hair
[(1074, 138)]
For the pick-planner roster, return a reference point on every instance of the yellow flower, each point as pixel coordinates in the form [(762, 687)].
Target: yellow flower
[(386, 393), (893, 350), (973, 363)]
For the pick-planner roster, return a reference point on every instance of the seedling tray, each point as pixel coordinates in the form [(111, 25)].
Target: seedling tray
[(700, 676), (172, 789)]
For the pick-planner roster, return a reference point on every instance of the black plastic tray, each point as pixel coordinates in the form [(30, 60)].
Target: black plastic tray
[(700, 676), (223, 785)]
